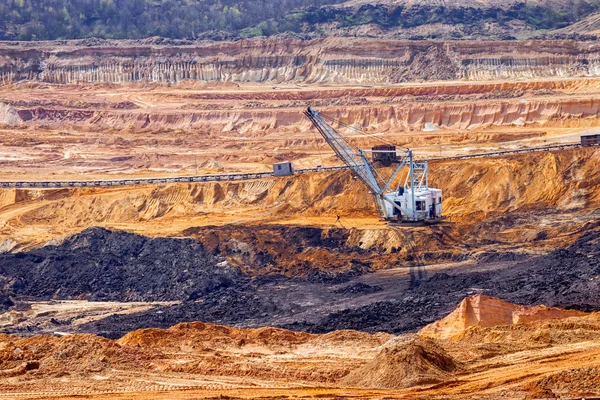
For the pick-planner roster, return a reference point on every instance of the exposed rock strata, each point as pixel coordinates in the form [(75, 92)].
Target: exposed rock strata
[(332, 60)]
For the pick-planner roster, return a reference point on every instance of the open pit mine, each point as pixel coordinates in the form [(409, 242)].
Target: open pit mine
[(149, 250)]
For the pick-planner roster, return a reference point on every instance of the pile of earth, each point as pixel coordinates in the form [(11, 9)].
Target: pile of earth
[(47, 355), (210, 164), (418, 362), (99, 264), (210, 335), (485, 311), (8, 115)]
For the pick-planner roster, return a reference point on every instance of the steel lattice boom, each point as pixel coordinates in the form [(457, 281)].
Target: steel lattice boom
[(413, 201)]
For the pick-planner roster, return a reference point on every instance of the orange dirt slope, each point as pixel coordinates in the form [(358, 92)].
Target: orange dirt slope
[(205, 360)]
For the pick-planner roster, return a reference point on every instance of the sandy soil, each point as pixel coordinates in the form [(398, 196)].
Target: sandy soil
[(162, 131), (196, 360), (102, 130), (76, 311), (526, 204)]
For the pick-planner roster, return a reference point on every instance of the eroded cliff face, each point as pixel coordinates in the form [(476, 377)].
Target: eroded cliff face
[(567, 113), (331, 60)]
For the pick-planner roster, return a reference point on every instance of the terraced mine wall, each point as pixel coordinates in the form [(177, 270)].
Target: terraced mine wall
[(332, 60), (379, 118), (482, 212)]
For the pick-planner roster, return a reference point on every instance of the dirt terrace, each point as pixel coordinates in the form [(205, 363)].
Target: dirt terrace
[(541, 199), (364, 61), (151, 129), (550, 352)]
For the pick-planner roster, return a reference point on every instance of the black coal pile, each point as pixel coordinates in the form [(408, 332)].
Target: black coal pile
[(99, 264), (565, 278), (225, 307), (5, 302), (358, 288)]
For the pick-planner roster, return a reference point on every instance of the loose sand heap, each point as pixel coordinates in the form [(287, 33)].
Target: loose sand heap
[(406, 364), (484, 311), (42, 356), (211, 164), (8, 115)]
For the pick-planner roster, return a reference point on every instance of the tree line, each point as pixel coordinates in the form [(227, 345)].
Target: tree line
[(230, 19), (133, 19)]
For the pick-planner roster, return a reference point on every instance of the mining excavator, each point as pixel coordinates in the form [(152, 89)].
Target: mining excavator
[(412, 200)]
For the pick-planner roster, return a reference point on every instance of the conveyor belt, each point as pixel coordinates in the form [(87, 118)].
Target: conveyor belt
[(250, 176), (508, 152), (152, 181)]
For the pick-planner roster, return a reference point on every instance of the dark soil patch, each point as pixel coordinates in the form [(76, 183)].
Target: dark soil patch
[(5, 302), (565, 278), (358, 288), (99, 264)]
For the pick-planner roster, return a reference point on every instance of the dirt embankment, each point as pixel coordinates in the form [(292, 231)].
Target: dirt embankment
[(557, 113), (558, 352), (560, 181), (331, 60), (501, 192), (173, 208), (189, 349)]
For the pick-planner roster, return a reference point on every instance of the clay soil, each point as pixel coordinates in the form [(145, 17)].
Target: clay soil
[(109, 131), (154, 130)]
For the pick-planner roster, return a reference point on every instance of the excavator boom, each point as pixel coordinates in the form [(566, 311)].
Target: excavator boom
[(412, 202), (352, 157)]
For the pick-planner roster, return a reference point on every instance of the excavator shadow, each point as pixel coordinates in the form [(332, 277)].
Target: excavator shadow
[(414, 257), (424, 223)]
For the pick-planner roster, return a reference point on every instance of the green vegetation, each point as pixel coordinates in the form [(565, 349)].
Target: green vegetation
[(217, 19), (538, 17), (119, 19)]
